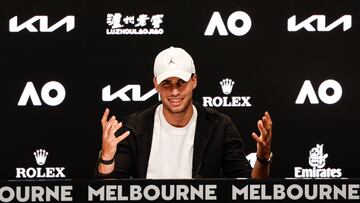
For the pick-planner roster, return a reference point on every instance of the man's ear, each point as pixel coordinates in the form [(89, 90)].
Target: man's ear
[(194, 81), (156, 86)]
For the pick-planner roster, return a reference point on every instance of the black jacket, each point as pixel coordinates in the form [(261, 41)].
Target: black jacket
[(218, 147)]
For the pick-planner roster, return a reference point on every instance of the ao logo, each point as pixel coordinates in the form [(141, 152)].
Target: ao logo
[(29, 92), (216, 22), (307, 90)]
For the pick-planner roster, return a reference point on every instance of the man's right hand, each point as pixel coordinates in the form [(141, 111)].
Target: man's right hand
[(109, 140)]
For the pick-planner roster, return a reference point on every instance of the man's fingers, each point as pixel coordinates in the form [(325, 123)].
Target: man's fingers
[(264, 140), (262, 128), (122, 137), (268, 124), (104, 117), (108, 126), (265, 135), (256, 137), (267, 115), (115, 127), (267, 121)]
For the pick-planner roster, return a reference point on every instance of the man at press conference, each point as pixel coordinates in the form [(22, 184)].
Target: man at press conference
[(178, 138)]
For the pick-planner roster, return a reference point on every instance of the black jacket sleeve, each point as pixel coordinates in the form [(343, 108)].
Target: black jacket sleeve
[(235, 163)]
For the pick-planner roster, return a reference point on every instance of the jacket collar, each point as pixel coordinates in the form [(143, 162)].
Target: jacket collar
[(141, 125), (202, 136)]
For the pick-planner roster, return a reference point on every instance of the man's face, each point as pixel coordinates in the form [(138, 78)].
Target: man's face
[(176, 94)]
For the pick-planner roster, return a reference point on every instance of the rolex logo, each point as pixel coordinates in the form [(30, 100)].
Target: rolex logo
[(40, 156), (40, 171), (227, 85), (227, 101)]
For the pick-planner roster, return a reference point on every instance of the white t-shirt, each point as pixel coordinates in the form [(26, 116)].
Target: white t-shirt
[(171, 154)]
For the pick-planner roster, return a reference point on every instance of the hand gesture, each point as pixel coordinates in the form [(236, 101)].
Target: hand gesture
[(264, 140), (109, 140)]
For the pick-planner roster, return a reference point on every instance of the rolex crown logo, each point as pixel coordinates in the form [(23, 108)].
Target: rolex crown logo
[(227, 85), (40, 156)]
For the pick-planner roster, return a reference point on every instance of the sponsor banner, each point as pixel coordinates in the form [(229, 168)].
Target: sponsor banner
[(31, 94), (41, 24), (307, 91), (216, 25), (107, 95), (40, 172), (199, 190), (142, 24), (317, 160), (228, 100), (321, 25)]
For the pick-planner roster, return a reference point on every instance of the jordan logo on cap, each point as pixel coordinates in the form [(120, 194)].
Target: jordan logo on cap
[(171, 61)]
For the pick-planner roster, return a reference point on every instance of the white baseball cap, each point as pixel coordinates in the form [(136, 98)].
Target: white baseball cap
[(173, 62)]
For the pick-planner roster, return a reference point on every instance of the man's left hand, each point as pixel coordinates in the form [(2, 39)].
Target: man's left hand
[(264, 140)]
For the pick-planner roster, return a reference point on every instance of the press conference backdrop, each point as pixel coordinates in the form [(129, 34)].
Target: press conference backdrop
[(63, 62)]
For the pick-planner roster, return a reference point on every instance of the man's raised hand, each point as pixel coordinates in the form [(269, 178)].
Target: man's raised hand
[(264, 140), (109, 140)]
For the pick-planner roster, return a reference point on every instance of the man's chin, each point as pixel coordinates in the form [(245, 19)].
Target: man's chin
[(175, 109)]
